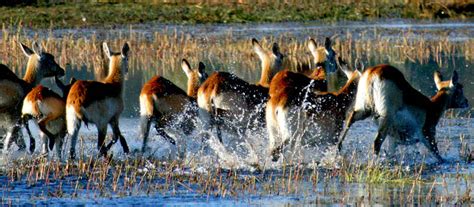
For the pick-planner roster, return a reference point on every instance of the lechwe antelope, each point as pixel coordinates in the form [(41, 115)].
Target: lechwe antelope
[(162, 102), (298, 113), (225, 96), (324, 57), (100, 103), (13, 89), (399, 110), (48, 110)]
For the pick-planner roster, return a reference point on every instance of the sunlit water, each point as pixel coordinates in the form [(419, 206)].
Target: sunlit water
[(248, 152), (241, 154)]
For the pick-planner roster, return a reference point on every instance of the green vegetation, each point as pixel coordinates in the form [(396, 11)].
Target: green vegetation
[(59, 14)]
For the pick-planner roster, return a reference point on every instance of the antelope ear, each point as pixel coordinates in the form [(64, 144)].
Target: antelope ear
[(201, 68), (106, 50), (58, 82), (344, 67), (72, 81), (327, 43), (454, 79), (186, 67), (437, 79), (360, 66), (258, 48), (312, 45), (37, 48), (125, 50), (26, 50), (276, 49)]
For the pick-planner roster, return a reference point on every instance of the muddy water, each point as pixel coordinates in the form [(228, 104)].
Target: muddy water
[(443, 181)]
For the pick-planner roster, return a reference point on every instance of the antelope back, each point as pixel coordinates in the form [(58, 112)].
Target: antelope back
[(51, 103), (291, 83)]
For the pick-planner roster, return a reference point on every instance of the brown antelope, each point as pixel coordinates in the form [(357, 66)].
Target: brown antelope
[(100, 103), (297, 107), (162, 102), (48, 109), (324, 57), (401, 111), (13, 89), (226, 95)]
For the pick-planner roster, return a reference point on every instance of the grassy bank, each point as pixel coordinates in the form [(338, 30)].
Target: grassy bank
[(60, 14)]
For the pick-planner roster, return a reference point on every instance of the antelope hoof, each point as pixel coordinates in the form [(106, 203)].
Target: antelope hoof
[(32, 147), (339, 146), (470, 158), (102, 154), (440, 159), (72, 156), (126, 150), (51, 144), (172, 141), (205, 136), (103, 151), (275, 155)]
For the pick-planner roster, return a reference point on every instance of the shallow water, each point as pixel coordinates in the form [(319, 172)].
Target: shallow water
[(446, 183)]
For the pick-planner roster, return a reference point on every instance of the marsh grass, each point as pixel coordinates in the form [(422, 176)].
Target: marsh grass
[(91, 177), (162, 53), (44, 14)]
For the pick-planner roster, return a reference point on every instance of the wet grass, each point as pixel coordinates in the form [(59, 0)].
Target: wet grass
[(59, 14), (109, 178)]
